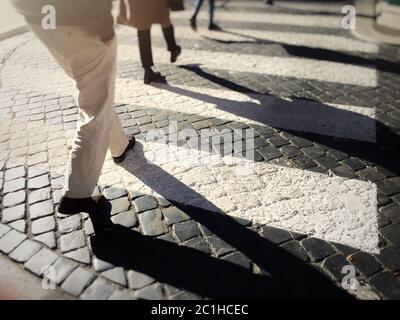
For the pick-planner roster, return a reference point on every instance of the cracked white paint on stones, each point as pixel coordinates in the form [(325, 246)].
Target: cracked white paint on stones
[(331, 208)]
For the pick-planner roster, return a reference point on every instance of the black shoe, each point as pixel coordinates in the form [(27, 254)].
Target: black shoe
[(131, 144), (213, 26), (175, 53), (98, 208), (76, 205), (193, 24), (101, 219), (270, 2), (151, 76), (173, 48)]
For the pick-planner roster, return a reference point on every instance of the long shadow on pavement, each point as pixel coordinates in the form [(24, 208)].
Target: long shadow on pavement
[(316, 53), (307, 121), (284, 276)]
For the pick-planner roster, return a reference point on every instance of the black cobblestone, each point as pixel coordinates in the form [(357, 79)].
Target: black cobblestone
[(392, 211), (238, 258), (389, 257), (276, 235), (145, 203), (365, 262), (152, 223), (317, 249), (186, 230), (392, 233), (387, 284), (269, 153), (335, 264), (344, 171), (354, 164), (174, 215), (198, 244), (296, 249)]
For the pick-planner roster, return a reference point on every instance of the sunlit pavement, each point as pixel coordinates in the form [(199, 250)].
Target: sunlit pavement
[(302, 200)]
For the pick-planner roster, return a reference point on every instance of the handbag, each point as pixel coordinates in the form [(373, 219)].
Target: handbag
[(176, 5)]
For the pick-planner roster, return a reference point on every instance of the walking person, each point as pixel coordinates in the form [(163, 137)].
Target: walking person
[(211, 9), (142, 14), (84, 45)]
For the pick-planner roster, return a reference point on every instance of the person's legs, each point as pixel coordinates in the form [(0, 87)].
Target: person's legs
[(197, 7), (146, 56), (169, 36), (92, 64), (211, 8), (118, 138), (145, 50)]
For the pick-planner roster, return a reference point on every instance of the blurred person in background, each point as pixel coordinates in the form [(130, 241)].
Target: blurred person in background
[(83, 44), (211, 9), (142, 14)]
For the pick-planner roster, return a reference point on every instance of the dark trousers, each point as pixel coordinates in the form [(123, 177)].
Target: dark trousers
[(211, 8), (145, 50)]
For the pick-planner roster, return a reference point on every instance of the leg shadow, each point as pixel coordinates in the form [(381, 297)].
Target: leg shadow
[(344, 130), (283, 274), (316, 53)]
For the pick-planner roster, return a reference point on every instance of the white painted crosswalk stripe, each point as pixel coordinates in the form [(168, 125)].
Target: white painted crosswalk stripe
[(331, 208)]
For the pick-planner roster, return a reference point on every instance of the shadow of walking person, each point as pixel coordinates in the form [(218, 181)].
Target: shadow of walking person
[(344, 129), (282, 274), (314, 53)]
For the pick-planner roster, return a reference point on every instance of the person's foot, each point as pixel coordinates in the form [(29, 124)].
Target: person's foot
[(193, 24), (76, 205), (151, 76), (175, 53), (98, 208), (131, 144), (269, 2), (213, 26), (101, 219)]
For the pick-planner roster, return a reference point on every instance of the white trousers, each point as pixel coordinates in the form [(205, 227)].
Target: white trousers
[(92, 65)]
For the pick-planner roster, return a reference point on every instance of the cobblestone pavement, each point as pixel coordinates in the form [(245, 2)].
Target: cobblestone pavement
[(277, 216)]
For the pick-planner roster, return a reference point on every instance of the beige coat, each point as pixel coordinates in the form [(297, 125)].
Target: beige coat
[(141, 14)]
